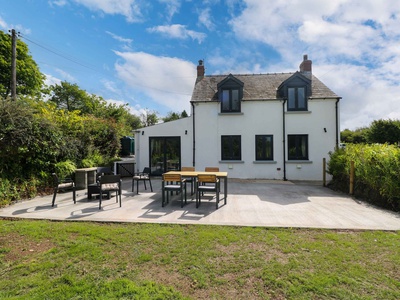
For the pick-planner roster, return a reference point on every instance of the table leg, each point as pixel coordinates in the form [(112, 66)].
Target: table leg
[(225, 189)]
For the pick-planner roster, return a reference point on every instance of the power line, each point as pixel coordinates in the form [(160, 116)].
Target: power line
[(92, 68), (74, 60)]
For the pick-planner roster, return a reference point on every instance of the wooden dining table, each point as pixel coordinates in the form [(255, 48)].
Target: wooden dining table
[(194, 174)]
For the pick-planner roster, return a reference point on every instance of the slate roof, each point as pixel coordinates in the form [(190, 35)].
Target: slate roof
[(256, 87)]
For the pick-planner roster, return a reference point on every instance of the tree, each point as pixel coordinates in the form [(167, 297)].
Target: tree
[(172, 116), (384, 131), (29, 78), (184, 114), (149, 118), (356, 137), (70, 97)]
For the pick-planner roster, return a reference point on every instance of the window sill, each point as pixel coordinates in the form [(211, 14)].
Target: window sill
[(290, 112), (264, 162), (230, 113), (231, 162), (299, 162)]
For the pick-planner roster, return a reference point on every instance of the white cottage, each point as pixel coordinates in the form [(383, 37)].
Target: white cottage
[(264, 126)]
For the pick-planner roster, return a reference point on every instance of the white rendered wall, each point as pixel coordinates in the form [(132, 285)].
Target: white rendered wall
[(168, 129), (256, 118)]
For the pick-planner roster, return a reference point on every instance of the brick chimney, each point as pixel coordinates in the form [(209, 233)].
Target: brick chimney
[(305, 66), (200, 70)]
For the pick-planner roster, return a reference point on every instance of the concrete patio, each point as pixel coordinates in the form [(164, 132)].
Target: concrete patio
[(250, 203)]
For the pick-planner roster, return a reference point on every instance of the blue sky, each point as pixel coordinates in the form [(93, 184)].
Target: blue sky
[(145, 53)]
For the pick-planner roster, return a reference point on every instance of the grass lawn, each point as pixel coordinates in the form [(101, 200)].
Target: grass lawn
[(84, 260)]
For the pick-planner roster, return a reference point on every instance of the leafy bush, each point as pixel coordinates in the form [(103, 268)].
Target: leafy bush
[(377, 176), (65, 169)]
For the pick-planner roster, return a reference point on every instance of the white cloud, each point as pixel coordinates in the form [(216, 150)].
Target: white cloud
[(205, 19), (119, 38), (111, 87), (58, 2), (167, 81), (18, 28), (51, 80), (65, 75), (173, 7), (3, 24), (178, 31), (125, 41), (128, 8)]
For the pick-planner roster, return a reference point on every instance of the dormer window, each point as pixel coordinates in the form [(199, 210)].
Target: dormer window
[(296, 89), (230, 92), (297, 98)]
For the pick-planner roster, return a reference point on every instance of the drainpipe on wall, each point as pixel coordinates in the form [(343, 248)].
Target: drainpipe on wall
[(137, 149), (194, 135), (284, 138), (337, 122)]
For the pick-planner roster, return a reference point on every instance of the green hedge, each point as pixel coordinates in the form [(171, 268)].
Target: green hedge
[(377, 172)]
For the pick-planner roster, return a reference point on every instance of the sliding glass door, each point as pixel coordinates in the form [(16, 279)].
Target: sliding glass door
[(165, 154)]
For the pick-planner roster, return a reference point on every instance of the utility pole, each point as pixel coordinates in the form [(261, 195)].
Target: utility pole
[(13, 65)]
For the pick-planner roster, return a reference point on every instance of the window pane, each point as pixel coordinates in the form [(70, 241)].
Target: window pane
[(235, 100), (291, 98), (301, 98), (302, 147), (236, 148), (225, 100)]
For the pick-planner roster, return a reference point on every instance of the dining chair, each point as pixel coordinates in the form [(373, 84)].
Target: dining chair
[(173, 183), (211, 169), (190, 180), (111, 183), (142, 176), (66, 184), (207, 183), (94, 188)]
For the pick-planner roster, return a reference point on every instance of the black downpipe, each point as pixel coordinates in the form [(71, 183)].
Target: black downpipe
[(284, 139), (337, 122), (194, 135)]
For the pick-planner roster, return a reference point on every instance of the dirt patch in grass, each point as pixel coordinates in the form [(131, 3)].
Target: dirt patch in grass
[(16, 247)]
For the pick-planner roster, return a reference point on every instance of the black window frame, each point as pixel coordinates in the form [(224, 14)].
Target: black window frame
[(296, 105), (228, 143), (231, 107), (295, 141), (263, 156)]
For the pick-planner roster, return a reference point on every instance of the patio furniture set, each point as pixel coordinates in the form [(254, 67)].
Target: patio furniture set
[(106, 182)]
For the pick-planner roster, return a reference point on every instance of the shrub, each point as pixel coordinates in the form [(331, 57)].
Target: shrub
[(65, 169), (377, 176)]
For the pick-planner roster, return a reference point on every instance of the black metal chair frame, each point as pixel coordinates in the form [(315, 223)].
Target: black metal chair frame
[(65, 184), (111, 183), (173, 183), (201, 188), (142, 176), (94, 188)]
